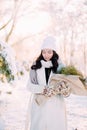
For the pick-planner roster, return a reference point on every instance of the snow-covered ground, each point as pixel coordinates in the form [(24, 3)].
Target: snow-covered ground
[(13, 108), (77, 112)]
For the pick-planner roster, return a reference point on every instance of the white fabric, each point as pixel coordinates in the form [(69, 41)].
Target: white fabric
[(46, 64), (49, 43), (48, 116)]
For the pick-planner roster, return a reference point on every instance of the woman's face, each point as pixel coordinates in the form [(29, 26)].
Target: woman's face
[(47, 54)]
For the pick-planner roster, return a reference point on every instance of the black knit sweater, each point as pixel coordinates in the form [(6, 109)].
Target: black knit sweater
[(47, 74)]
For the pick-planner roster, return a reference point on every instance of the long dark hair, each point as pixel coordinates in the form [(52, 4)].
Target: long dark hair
[(54, 60)]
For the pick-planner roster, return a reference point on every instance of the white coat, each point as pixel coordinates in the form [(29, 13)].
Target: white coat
[(52, 114)]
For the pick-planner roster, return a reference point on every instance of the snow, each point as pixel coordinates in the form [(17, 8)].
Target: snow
[(77, 112), (13, 107)]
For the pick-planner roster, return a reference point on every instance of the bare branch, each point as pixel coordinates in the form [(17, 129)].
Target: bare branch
[(6, 24), (16, 8)]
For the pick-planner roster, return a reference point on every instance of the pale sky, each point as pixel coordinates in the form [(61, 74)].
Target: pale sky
[(33, 23)]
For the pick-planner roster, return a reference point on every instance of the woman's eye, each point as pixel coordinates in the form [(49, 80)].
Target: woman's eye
[(44, 52)]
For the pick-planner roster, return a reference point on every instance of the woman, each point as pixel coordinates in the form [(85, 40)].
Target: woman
[(47, 109)]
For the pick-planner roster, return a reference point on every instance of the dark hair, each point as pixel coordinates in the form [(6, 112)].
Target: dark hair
[(54, 60)]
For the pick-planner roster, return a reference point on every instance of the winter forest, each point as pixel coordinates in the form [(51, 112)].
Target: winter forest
[(23, 25)]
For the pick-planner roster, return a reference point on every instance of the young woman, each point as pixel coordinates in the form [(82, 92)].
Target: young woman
[(47, 112)]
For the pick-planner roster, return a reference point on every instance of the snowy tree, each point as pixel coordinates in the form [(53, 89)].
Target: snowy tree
[(8, 69)]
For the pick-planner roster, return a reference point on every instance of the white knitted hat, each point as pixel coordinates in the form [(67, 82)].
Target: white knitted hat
[(49, 43)]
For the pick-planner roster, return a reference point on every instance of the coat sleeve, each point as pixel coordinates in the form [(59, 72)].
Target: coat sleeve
[(33, 85), (61, 65)]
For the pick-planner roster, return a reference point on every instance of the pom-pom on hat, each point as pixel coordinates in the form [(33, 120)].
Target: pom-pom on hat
[(49, 43)]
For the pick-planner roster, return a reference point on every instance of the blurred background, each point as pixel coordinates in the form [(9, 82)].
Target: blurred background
[(24, 24)]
